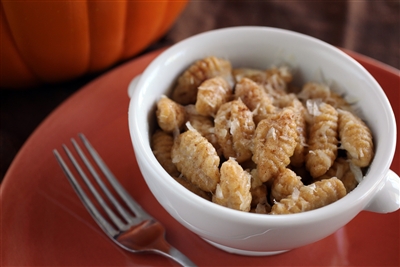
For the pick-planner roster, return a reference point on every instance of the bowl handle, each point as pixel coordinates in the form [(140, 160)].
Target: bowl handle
[(387, 199), (133, 84)]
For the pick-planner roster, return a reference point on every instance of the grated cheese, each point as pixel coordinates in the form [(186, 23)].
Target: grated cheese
[(271, 133), (358, 175), (218, 192)]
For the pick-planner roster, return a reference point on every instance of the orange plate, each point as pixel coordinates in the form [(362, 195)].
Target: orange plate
[(44, 223)]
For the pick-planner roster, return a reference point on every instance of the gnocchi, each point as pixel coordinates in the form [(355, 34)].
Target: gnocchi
[(246, 139)]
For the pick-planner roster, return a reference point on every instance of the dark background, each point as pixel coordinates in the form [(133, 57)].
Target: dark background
[(371, 28)]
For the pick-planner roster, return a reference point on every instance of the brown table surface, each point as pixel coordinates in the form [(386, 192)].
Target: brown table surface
[(371, 28)]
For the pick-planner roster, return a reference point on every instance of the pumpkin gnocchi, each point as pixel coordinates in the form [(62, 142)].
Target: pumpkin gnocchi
[(246, 139)]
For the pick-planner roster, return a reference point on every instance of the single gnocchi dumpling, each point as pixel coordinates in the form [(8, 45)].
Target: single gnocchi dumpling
[(193, 188), (233, 190), (255, 98), (196, 159), (259, 195), (313, 90), (342, 169), (323, 139), (171, 116), (274, 80), (310, 197), (284, 184), (274, 143), (256, 75), (299, 154), (161, 144), (234, 128), (284, 72), (259, 200), (185, 91), (278, 78), (211, 94), (356, 139), (205, 126)]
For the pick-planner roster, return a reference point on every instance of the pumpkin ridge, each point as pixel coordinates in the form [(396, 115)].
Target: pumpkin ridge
[(15, 64), (106, 33)]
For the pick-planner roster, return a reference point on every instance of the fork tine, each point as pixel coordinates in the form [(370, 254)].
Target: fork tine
[(132, 204), (98, 197), (103, 223), (127, 217)]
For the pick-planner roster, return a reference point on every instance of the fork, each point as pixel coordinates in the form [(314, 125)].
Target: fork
[(133, 229)]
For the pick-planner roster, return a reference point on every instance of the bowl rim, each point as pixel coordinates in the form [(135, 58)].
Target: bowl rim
[(354, 199)]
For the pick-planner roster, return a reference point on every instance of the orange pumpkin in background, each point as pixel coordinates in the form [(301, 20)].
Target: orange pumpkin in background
[(55, 41)]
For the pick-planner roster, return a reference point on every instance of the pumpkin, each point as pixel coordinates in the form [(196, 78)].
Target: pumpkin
[(55, 41)]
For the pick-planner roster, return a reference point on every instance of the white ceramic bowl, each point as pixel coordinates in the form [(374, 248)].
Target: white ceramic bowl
[(262, 47)]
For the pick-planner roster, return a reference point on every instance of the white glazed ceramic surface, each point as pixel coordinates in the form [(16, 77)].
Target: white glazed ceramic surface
[(312, 60)]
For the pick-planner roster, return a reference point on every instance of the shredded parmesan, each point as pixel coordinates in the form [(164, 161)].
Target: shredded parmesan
[(271, 133), (235, 124), (312, 187), (190, 127), (313, 107), (284, 137), (218, 192), (295, 194), (358, 175), (242, 203), (256, 110)]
